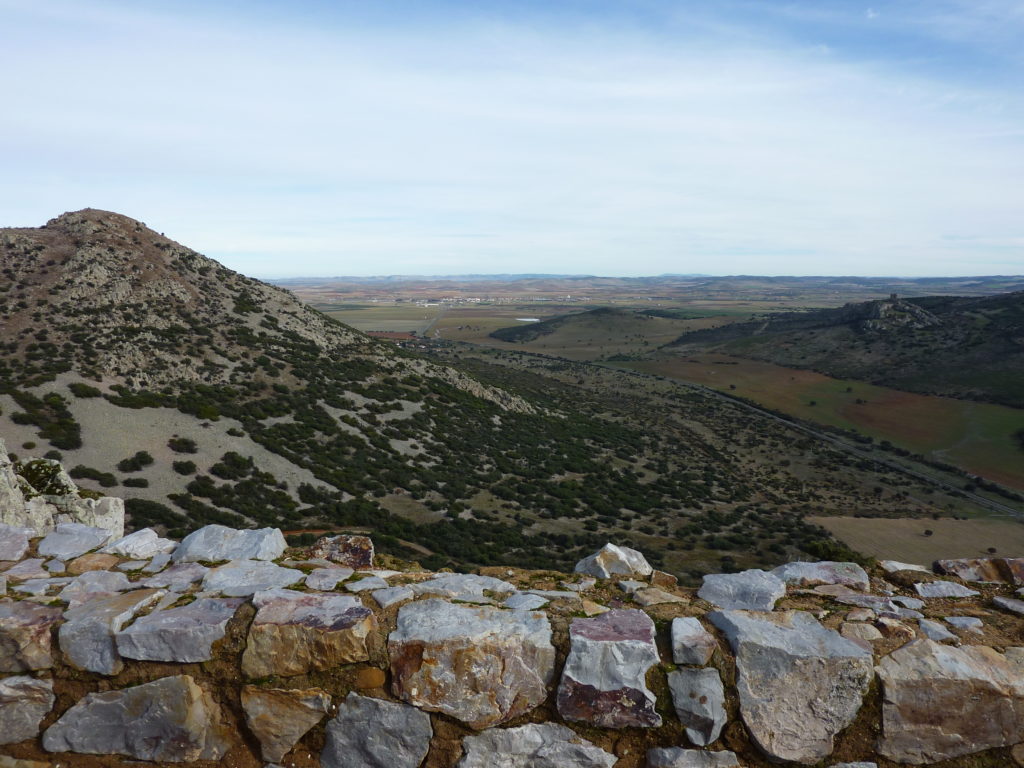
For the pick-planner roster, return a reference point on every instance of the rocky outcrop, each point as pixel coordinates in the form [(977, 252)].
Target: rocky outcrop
[(612, 560), (25, 632), (354, 552), (753, 590), (481, 665), (278, 718), (699, 701), (24, 702), (184, 634)]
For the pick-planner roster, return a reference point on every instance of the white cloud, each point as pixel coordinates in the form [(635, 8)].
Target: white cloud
[(496, 147)]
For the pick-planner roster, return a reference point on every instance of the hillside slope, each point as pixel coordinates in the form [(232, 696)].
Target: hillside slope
[(203, 396), (963, 347)]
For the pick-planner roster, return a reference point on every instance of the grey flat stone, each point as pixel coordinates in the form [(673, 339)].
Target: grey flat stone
[(371, 733), (935, 631), (612, 560), (908, 602), (24, 702), (142, 544), (71, 540), (629, 586), (184, 634), (39, 587), (158, 563), (1009, 604), (55, 566), (699, 701), (279, 718), (967, 623), (580, 585), (370, 582), (14, 541), (93, 583), (467, 587), (826, 572), (604, 679), (944, 589), (753, 590), (215, 543), (27, 569), (388, 597), (240, 578), (179, 577), (894, 566), (326, 579), (555, 594), (799, 683), (691, 643), (132, 565), (655, 596), (87, 634), (168, 720), (677, 757), (525, 601), (510, 653), (535, 745)]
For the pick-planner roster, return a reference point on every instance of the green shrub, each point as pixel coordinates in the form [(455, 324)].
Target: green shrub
[(135, 463), (106, 479), (81, 389), (184, 467), (135, 482), (182, 445)]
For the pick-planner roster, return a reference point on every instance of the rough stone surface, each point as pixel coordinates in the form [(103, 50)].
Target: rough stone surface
[(178, 577), (184, 634), (326, 579), (826, 572), (170, 720), (1009, 604), (691, 643), (25, 630), (799, 683), (388, 597), (141, 544), (479, 664), (612, 560), (70, 540), (944, 589), (861, 633), (655, 596), (14, 541), (544, 745), (240, 578), (367, 583), (158, 563), (92, 584), (94, 561), (753, 590), (676, 757), (27, 569), (24, 702), (214, 543), (352, 551), (467, 587), (935, 631), (895, 566), (371, 733), (278, 718), (982, 570), (941, 702), (524, 601), (699, 701), (87, 634), (967, 623), (604, 680), (295, 633)]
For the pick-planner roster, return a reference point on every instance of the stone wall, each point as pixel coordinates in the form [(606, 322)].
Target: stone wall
[(230, 649)]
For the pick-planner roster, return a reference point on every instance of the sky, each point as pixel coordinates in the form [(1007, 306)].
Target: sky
[(611, 137)]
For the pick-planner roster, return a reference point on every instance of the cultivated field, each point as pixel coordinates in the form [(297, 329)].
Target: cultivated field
[(386, 316), (975, 436), (905, 539)]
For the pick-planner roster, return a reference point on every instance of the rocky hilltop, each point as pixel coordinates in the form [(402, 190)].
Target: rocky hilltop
[(230, 648)]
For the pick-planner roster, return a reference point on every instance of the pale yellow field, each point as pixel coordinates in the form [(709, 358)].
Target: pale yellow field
[(905, 539)]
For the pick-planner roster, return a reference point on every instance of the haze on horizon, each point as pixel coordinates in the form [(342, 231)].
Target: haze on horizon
[(618, 138)]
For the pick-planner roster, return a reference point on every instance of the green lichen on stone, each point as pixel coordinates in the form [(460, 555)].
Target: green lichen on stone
[(42, 475)]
